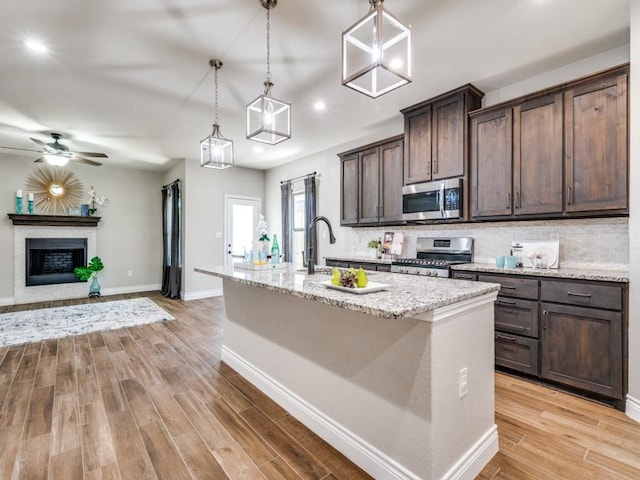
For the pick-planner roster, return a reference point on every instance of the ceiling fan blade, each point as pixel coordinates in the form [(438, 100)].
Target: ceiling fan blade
[(39, 142), (92, 154), (79, 159), (23, 149)]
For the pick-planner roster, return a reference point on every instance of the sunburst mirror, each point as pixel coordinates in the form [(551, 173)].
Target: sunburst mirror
[(55, 189)]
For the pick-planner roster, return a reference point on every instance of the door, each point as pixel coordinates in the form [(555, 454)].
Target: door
[(417, 155), (349, 185), (596, 146), (241, 219), (448, 138), (537, 156), (491, 159), (391, 168), (369, 185)]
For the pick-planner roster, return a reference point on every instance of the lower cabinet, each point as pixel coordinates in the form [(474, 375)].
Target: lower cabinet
[(582, 347), (571, 333), (371, 266)]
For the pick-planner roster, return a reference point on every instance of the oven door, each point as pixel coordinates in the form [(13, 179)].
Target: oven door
[(432, 200)]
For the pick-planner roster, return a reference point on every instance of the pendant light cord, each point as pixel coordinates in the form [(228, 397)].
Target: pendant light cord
[(216, 83), (267, 78)]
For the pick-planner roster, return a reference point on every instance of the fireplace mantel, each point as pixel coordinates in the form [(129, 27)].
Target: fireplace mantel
[(54, 220)]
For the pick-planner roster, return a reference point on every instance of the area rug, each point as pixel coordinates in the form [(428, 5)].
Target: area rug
[(36, 325)]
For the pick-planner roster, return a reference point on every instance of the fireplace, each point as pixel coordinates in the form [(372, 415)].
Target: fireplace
[(51, 261)]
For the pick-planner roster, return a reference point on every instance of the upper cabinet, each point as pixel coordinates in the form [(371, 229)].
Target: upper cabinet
[(596, 145), (436, 135), (560, 152), (371, 184)]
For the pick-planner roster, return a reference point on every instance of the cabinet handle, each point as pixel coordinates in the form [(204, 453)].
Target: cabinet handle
[(569, 195), (518, 205), (509, 338), (435, 167), (463, 276), (544, 319), (577, 294), (508, 287), (506, 302), (508, 201)]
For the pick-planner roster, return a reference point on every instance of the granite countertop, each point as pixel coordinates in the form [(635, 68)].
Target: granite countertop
[(360, 258), (620, 275), (407, 295)]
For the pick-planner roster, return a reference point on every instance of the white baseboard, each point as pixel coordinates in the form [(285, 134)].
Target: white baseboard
[(203, 294), (633, 408), (476, 458), (373, 461), (154, 287), (6, 301)]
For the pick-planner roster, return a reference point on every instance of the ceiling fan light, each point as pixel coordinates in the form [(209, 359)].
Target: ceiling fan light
[(216, 151), (56, 160), (376, 53)]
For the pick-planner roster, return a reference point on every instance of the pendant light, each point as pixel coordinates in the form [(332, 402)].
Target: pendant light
[(215, 150), (376, 53), (268, 119)]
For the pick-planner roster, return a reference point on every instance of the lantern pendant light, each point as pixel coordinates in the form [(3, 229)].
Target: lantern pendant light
[(376, 53), (215, 150), (268, 119)]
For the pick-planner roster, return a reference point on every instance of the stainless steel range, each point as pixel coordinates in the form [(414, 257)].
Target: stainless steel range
[(435, 255)]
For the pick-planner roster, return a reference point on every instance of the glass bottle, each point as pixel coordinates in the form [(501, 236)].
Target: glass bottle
[(275, 250)]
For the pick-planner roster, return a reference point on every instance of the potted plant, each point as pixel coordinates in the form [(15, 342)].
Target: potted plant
[(374, 248), (91, 272)]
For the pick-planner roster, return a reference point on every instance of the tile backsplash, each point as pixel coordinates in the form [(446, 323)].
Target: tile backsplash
[(584, 243)]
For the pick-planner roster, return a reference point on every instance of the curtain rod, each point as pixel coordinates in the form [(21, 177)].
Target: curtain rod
[(172, 183), (312, 174)]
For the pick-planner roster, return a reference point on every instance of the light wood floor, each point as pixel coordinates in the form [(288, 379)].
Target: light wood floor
[(155, 402)]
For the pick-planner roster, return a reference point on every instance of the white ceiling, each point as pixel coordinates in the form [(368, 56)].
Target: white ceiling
[(131, 78)]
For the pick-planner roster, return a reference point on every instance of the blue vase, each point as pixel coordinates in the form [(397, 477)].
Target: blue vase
[(94, 288)]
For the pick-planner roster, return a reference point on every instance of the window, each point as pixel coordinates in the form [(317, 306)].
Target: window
[(299, 228)]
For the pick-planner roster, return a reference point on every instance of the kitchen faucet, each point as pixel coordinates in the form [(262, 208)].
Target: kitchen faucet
[(312, 234)]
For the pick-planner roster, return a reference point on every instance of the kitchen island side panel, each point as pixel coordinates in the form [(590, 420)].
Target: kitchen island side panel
[(390, 384)]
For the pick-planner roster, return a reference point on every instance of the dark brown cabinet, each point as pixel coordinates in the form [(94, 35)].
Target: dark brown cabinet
[(557, 153), (371, 266), (572, 333), (436, 135), (582, 347), (491, 163), (349, 187), (371, 184), (596, 144)]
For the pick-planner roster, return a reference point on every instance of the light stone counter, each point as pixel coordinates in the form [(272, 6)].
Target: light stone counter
[(407, 295), (619, 275)]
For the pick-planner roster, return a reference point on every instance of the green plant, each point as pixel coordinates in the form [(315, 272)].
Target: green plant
[(91, 270), (374, 244)]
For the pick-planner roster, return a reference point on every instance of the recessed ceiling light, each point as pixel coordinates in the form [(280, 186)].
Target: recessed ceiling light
[(319, 105), (36, 46), (258, 150)]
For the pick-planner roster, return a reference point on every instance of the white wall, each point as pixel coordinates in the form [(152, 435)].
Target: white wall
[(128, 234), (633, 400), (203, 206)]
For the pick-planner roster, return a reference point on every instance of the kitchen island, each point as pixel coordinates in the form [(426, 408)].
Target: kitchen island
[(376, 375)]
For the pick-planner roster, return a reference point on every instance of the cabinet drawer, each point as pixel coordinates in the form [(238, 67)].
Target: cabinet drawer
[(517, 316), (583, 294), (464, 275), (336, 263), (383, 268), (513, 287), (516, 352)]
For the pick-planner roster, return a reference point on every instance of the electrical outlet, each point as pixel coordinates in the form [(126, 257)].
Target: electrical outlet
[(130, 273), (218, 234), (464, 384)]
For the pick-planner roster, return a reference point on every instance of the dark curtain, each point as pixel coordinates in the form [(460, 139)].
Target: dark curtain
[(286, 190), (171, 240), (309, 215)]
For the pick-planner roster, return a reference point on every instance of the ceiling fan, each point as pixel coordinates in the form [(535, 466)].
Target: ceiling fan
[(58, 154)]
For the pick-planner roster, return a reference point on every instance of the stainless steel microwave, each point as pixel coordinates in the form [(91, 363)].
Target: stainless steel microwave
[(435, 200)]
